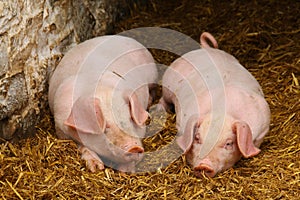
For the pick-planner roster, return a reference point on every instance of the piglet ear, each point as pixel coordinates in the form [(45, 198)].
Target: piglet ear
[(137, 111), (86, 116), (185, 140), (244, 139)]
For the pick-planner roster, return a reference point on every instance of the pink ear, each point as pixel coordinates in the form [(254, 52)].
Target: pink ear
[(137, 111), (244, 139), (185, 140), (86, 116)]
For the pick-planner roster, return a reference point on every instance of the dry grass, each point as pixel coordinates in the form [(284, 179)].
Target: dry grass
[(265, 37)]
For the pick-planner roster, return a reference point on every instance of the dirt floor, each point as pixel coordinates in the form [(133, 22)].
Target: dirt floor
[(265, 37)]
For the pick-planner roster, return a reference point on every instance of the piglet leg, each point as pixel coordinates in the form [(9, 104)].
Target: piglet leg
[(162, 106), (93, 162)]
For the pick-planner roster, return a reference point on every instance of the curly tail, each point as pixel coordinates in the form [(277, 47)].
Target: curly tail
[(207, 36)]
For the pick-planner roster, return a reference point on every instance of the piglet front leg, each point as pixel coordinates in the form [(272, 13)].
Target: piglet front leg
[(93, 162)]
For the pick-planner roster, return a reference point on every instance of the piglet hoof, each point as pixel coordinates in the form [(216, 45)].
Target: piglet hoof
[(93, 165), (93, 162), (161, 106), (158, 108)]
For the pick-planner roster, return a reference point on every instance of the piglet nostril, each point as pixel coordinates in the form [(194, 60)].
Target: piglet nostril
[(136, 149), (134, 153), (208, 171)]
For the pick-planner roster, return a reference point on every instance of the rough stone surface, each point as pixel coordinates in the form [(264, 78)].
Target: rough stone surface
[(34, 34)]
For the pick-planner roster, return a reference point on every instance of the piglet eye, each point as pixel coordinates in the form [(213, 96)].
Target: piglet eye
[(228, 145), (197, 135), (197, 138)]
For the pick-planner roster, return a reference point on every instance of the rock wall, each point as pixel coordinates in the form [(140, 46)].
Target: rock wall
[(34, 35)]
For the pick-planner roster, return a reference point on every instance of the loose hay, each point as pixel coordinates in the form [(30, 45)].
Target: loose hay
[(265, 37)]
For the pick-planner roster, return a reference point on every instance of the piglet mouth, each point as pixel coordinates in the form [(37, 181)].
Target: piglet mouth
[(204, 169)]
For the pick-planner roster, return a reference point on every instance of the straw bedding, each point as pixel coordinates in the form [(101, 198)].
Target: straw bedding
[(265, 37)]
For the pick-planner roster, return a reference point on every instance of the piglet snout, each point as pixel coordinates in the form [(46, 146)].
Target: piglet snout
[(208, 170), (134, 153), (136, 149)]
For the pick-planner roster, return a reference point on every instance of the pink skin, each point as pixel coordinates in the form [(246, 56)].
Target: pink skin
[(104, 114), (246, 116)]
